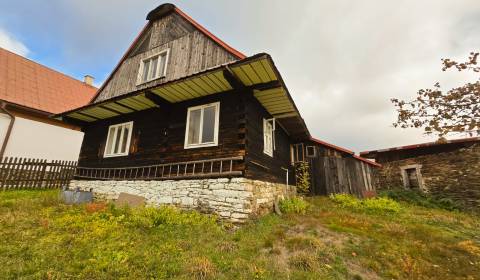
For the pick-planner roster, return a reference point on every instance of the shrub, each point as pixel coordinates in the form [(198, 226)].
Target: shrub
[(302, 172), (294, 205), (375, 205), (420, 199)]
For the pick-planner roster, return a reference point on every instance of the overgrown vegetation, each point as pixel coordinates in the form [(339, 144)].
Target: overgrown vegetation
[(420, 199), (302, 172), (44, 239), (378, 205), (294, 205)]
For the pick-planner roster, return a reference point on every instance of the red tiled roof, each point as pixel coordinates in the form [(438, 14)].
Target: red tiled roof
[(27, 83), (423, 145)]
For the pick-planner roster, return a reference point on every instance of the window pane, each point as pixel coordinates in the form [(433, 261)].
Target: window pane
[(153, 67), (161, 68), (111, 134), (126, 130), (146, 68), (117, 140), (194, 127), (208, 125)]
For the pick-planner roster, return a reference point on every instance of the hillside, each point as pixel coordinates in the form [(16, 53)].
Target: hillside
[(44, 239)]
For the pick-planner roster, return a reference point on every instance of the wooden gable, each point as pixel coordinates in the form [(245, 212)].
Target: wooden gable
[(192, 49)]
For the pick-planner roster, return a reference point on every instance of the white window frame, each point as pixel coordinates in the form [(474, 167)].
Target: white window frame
[(159, 75), (216, 126), (314, 151), (272, 137), (129, 137)]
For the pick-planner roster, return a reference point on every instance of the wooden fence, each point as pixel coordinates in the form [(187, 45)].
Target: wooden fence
[(16, 173)]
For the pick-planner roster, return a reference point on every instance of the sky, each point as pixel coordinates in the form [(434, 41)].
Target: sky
[(342, 61)]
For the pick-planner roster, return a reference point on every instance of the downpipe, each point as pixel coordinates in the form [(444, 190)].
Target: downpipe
[(3, 108)]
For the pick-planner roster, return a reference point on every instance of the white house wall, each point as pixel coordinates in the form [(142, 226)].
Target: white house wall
[(34, 139)]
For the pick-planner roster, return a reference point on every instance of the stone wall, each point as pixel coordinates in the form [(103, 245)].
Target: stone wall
[(234, 199), (454, 174)]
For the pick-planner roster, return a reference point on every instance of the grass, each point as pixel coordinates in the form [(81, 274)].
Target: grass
[(44, 239)]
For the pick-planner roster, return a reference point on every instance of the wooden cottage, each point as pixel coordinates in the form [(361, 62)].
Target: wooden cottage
[(186, 119)]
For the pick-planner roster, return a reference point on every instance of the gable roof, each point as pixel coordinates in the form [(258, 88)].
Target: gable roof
[(155, 14), (29, 84)]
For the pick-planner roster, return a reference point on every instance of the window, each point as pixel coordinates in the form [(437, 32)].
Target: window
[(311, 151), (118, 139), (153, 67), (412, 176), (296, 152), (202, 126), (268, 136)]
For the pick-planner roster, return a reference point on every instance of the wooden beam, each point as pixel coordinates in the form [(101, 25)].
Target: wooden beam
[(88, 116), (124, 106), (111, 110), (157, 99), (265, 86), (232, 79)]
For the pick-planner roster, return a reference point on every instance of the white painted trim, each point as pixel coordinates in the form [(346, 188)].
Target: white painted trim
[(265, 151), (142, 64), (129, 137), (216, 126)]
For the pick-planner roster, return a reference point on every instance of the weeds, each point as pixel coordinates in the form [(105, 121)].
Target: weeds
[(294, 205), (377, 205)]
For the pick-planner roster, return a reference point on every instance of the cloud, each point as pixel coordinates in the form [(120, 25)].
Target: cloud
[(342, 60), (7, 41)]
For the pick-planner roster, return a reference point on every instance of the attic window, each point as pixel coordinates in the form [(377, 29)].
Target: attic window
[(153, 67)]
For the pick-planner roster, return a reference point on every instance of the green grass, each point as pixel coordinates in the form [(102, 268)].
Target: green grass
[(43, 239)]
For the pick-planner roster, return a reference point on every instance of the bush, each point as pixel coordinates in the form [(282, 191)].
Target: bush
[(302, 172), (375, 205), (294, 205), (420, 199)]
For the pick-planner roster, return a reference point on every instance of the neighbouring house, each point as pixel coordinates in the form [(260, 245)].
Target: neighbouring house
[(186, 119), (449, 168), (334, 169), (29, 94)]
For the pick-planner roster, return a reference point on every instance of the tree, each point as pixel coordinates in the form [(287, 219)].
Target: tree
[(442, 113)]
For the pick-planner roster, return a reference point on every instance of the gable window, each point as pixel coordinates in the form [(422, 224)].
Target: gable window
[(202, 126), (118, 139), (268, 136), (153, 67)]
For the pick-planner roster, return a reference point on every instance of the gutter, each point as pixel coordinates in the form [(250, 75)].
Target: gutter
[(3, 108)]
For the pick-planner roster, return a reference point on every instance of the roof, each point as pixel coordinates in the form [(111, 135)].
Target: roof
[(29, 84), (158, 13), (257, 73), (340, 149), (422, 145), (343, 150)]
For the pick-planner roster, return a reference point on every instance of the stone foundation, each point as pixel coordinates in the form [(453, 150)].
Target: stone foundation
[(234, 199)]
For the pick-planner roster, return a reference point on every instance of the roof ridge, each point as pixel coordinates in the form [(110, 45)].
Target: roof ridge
[(48, 68)]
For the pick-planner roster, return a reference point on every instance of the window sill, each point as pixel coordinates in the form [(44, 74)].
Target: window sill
[(117, 155), (148, 81), (268, 154), (200, 146)]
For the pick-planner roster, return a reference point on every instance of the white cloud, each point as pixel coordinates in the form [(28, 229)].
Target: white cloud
[(7, 41)]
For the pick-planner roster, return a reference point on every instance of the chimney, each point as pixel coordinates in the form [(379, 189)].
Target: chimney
[(88, 80)]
